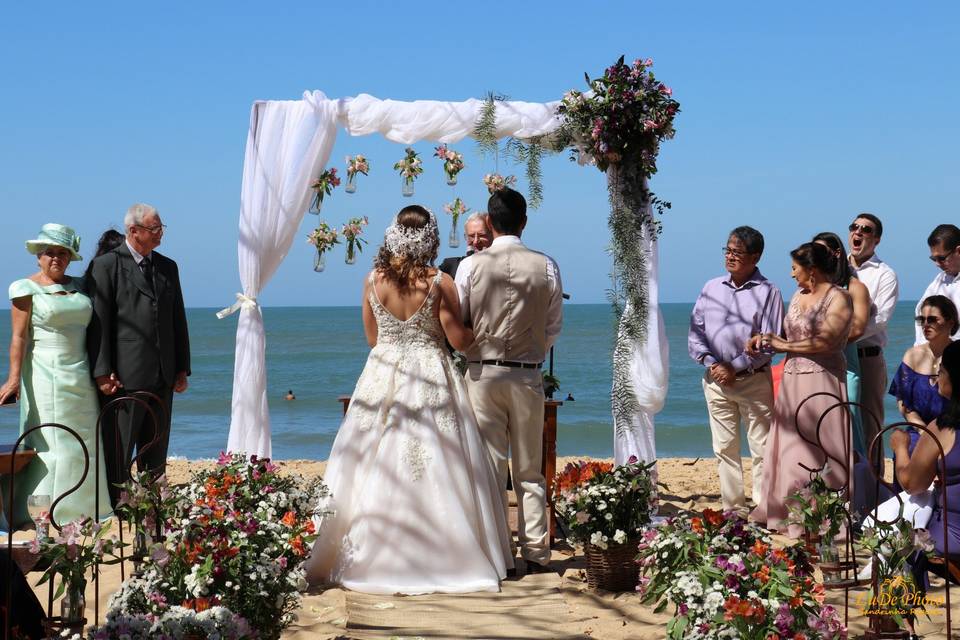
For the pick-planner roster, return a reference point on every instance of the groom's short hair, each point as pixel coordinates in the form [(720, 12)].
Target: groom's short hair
[(507, 210)]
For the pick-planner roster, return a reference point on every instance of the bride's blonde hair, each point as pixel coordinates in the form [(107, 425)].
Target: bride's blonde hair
[(410, 246)]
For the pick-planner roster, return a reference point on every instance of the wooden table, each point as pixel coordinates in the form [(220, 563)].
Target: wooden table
[(548, 465)]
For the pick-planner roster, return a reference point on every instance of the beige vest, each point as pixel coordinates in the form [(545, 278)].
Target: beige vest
[(509, 294)]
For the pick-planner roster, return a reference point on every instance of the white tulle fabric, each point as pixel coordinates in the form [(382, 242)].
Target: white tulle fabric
[(287, 144), (415, 498)]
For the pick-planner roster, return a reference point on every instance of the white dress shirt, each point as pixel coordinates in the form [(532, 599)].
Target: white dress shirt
[(554, 306), (884, 289), (943, 285)]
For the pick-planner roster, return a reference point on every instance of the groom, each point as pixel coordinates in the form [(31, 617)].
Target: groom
[(512, 297)]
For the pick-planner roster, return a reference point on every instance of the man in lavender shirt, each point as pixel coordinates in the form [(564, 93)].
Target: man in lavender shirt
[(737, 386)]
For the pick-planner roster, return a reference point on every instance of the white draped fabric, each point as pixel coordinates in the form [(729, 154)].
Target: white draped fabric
[(288, 144), (649, 372)]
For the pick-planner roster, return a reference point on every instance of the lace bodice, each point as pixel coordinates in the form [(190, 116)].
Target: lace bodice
[(801, 325), (421, 329)]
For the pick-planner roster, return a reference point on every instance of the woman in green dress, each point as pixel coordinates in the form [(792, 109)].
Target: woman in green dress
[(50, 375)]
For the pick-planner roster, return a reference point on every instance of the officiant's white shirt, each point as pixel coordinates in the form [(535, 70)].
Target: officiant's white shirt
[(554, 306)]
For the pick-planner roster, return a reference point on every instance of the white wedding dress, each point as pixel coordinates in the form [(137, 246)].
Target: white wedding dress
[(416, 502)]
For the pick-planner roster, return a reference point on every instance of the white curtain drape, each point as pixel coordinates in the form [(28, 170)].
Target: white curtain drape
[(288, 144), (649, 372)]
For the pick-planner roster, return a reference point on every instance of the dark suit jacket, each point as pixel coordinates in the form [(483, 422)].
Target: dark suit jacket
[(449, 266), (139, 333)]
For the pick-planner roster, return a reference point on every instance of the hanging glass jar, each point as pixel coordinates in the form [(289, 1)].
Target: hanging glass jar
[(319, 261), (407, 188), (454, 240), (351, 253), (74, 603), (351, 183), (452, 179)]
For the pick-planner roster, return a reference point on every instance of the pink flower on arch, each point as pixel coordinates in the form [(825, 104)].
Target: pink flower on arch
[(649, 124)]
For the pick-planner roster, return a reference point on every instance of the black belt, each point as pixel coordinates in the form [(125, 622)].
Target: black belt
[(510, 363), (748, 372), (869, 352)]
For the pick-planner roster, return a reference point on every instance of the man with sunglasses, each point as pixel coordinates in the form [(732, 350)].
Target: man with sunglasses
[(737, 386), (944, 243), (137, 341), (884, 289)]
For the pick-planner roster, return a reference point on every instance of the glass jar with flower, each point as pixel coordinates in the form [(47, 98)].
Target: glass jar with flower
[(145, 502), (495, 182), (606, 509), (351, 233), (822, 512), (322, 238), (409, 167), (70, 555), (324, 186), (356, 164), (455, 209), (452, 162)]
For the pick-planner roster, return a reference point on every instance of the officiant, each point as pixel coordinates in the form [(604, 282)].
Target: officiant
[(477, 233)]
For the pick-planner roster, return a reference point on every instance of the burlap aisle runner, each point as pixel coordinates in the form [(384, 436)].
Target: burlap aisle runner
[(528, 608)]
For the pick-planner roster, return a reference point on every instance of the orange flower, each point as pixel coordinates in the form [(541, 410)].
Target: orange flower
[(289, 518), (779, 555), (818, 593), (760, 548), (796, 602), (299, 548), (713, 517), (763, 575), (697, 525), (309, 527)]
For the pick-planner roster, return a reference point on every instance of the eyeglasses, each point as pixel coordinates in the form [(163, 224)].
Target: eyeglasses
[(865, 229), (734, 253), (50, 252), (941, 259), (925, 320), (154, 230)]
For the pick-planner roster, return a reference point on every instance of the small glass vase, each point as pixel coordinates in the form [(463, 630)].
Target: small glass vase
[(316, 204), (73, 604), (406, 189), (452, 179), (319, 261), (139, 549), (351, 183), (351, 254), (454, 240)]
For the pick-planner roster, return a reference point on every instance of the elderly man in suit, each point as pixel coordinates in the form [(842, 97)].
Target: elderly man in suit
[(476, 231), (138, 341)]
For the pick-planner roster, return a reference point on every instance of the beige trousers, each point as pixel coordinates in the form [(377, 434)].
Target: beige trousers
[(749, 399), (873, 389), (508, 403)]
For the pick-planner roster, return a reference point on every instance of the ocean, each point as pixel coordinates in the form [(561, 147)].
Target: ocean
[(318, 352)]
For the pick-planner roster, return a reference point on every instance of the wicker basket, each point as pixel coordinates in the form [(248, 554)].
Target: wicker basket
[(614, 568)]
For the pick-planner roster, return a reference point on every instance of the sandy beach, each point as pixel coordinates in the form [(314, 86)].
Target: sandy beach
[(548, 606)]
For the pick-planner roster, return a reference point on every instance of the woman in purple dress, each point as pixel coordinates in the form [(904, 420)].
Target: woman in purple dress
[(916, 471), (816, 327)]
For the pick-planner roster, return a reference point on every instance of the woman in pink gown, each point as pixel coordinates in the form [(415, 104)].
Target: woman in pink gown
[(816, 328)]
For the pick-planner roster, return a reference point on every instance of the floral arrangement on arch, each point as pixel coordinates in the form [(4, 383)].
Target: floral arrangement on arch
[(600, 504), (352, 232), (455, 209), (819, 509), (236, 540), (623, 117), (496, 182), (452, 162), (324, 186), (410, 167), (323, 237), (355, 164), (726, 580)]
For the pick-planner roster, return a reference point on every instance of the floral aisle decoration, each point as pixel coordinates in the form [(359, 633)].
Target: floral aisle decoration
[(70, 555), (822, 512), (452, 162), (236, 540), (324, 186), (455, 210), (606, 509), (618, 125), (322, 238), (352, 232), (725, 579), (495, 182), (410, 167), (356, 164), (895, 594)]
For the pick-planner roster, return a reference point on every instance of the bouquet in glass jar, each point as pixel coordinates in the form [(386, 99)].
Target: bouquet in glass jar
[(324, 186), (351, 233), (323, 237), (456, 209), (356, 164), (452, 162), (72, 552), (495, 182), (409, 167)]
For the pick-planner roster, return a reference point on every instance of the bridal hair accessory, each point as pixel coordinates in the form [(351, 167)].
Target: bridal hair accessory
[(410, 241)]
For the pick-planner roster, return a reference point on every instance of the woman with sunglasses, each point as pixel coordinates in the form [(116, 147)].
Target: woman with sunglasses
[(915, 383)]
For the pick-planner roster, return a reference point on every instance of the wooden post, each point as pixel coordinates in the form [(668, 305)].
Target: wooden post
[(549, 463)]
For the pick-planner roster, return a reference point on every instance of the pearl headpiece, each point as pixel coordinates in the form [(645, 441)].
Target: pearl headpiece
[(408, 241)]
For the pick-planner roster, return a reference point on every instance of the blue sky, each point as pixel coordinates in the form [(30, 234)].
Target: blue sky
[(795, 116)]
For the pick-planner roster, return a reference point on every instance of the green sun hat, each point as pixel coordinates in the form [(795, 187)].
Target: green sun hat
[(58, 235)]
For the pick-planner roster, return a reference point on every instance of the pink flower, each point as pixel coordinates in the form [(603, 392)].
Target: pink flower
[(649, 124), (224, 459), (648, 62), (632, 460), (667, 91)]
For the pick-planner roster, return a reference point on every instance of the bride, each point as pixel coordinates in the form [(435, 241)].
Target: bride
[(416, 505)]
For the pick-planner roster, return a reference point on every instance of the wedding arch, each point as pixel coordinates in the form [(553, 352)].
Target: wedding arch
[(288, 145)]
